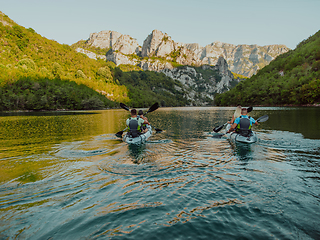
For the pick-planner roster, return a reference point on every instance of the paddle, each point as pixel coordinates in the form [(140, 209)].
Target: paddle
[(153, 108), (263, 118), (249, 109), (157, 129), (125, 107), (218, 129), (119, 134)]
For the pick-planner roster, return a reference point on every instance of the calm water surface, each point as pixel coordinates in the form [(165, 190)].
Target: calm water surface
[(66, 176)]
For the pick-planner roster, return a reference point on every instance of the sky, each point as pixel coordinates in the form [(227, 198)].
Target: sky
[(236, 22)]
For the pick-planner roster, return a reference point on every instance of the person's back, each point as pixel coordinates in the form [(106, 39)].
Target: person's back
[(144, 125), (134, 124), (243, 123)]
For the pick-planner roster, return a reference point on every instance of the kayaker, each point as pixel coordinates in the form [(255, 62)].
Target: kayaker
[(144, 125), (134, 123), (243, 124)]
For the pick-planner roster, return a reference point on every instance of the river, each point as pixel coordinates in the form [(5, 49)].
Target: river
[(65, 175)]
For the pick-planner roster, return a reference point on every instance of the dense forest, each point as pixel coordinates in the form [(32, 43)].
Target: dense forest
[(40, 74), (292, 78)]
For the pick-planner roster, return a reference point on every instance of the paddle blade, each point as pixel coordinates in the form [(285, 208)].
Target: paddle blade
[(249, 109), (217, 135), (119, 134), (125, 107), (218, 129), (158, 130), (153, 108), (263, 118)]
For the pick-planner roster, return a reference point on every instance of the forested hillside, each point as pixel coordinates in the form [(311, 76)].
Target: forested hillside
[(41, 74), (148, 87), (292, 78)]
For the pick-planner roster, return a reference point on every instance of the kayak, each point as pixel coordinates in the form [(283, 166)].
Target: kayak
[(140, 139), (252, 138)]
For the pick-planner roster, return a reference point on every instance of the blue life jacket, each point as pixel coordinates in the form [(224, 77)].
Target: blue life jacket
[(244, 127)]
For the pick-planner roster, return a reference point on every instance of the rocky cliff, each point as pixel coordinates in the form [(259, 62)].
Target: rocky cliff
[(203, 82), (165, 53)]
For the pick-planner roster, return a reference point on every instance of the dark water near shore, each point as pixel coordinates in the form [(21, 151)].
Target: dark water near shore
[(66, 176)]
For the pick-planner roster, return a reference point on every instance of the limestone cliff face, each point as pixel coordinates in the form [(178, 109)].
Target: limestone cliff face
[(242, 59), (126, 45), (91, 54), (103, 39), (122, 47), (154, 65), (119, 58), (201, 89), (158, 44), (114, 40)]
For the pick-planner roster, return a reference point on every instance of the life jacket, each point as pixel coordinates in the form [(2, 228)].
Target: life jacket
[(134, 128), (244, 126), (143, 126)]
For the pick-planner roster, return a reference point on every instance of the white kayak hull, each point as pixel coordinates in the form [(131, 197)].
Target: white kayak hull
[(140, 139), (239, 138)]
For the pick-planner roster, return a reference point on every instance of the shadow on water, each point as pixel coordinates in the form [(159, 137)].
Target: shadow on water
[(136, 151), (142, 153), (243, 151)]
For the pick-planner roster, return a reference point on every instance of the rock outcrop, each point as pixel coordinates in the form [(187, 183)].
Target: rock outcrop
[(103, 39), (242, 59), (126, 45), (201, 89), (158, 44), (91, 54), (154, 65), (5, 20)]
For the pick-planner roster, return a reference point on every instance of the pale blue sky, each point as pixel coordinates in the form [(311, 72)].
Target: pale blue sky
[(190, 21)]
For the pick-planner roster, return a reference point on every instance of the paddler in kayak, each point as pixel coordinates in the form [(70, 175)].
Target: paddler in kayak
[(243, 124), (144, 125), (134, 124)]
